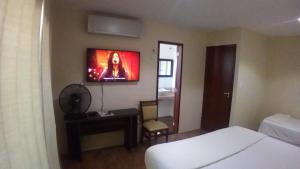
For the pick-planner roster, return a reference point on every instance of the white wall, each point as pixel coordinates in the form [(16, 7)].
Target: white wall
[(69, 44), (166, 107)]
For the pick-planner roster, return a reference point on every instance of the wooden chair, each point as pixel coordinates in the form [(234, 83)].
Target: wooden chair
[(152, 128)]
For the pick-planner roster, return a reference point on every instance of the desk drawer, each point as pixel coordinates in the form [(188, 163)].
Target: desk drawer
[(102, 126)]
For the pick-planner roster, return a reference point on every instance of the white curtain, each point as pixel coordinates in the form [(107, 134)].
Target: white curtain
[(25, 105)]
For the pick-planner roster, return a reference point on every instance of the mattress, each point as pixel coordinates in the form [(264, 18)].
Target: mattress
[(233, 148), (283, 127), (269, 153), (202, 150)]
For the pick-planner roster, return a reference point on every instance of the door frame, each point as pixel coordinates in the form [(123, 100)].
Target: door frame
[(177, 98)]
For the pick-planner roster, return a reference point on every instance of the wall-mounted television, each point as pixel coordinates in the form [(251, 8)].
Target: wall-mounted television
[(105, 65)]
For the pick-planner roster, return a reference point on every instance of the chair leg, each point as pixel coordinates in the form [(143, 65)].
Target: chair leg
[(155, 135), (149, 139), (167, 136), (142, 136)]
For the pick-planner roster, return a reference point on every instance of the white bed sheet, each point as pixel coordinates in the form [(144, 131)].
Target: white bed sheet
[(201, 151), (269, 153), (283, 127)]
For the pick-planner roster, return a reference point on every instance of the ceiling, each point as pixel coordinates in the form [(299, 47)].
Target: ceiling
[(270, 17)]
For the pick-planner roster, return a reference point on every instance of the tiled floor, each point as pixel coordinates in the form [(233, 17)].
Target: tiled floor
[(118, 157)]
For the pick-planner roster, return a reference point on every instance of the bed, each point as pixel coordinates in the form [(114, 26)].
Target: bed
[(282, 127), (229, 148)]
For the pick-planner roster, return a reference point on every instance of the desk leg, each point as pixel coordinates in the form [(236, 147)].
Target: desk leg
[(73, 138), (130, 139), (127, 134), (134, 131)]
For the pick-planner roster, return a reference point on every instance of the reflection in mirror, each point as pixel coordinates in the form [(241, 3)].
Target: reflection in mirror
[(165, 68)]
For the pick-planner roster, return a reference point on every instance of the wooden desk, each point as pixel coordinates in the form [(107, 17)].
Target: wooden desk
[(124, 119)]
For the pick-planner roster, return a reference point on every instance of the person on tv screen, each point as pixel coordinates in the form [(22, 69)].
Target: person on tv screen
[(114, 70)]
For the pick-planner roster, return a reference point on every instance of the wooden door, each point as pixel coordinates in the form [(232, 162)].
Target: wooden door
[(218, 85)]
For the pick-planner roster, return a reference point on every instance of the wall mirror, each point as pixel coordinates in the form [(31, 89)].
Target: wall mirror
[(165, 68)]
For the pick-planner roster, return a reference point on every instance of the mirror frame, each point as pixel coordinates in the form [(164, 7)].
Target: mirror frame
[(171, 71)]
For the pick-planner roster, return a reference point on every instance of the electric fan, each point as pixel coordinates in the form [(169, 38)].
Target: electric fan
[(74, 101)]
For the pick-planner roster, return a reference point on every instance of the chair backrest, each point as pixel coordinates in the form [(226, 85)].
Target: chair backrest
[(149, 110)]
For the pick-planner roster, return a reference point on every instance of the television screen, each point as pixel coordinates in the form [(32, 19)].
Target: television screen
[(112, 65)]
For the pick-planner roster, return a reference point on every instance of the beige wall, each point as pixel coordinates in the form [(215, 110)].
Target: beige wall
[(250, 74), (226, 37), (266, 73), (251, 84), (70, 40), (267, 77), (283, 88)]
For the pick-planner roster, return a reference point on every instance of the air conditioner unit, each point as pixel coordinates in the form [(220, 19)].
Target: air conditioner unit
[(114, 26)]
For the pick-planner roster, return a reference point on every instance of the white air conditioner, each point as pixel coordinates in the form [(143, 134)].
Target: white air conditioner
[(114, 26)]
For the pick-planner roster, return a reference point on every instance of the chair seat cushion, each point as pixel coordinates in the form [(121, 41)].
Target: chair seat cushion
[(153, 125)]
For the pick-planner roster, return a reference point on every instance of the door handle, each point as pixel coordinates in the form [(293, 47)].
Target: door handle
[(227, 94)]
